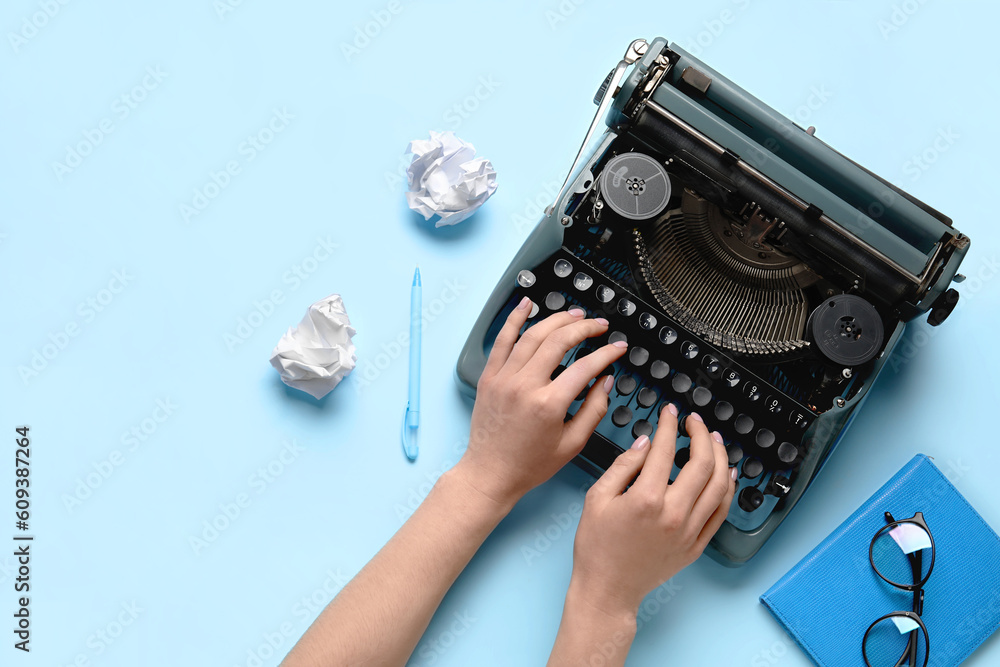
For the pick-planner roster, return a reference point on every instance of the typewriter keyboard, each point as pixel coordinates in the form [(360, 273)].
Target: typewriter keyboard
[(762, 427)]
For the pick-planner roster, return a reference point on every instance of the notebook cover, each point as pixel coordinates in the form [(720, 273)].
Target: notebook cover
[(829, 599)]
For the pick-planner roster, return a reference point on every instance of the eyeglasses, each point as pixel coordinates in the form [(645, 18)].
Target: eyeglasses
[(898, 554)]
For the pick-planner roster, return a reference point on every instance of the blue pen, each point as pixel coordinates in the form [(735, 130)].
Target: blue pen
[(411, 418)]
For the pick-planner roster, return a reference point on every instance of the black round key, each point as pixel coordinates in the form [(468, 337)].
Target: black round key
[(647, 397), (701, 396), (798, 419), (689, 350), (621, 416), (787, 452), (638, 356), (682, 456), (735, 453), (765, 438), (625, 307), (642, 427), (744, 424), (723, 410), (681, 383), (667, 335), (559, 369), (626, 384), (731, 378), (555, 300), (659, 369), (711, 365), (773, 405), (616, 336), (752, 468), (750, 499), (647, 321), (752, 390)]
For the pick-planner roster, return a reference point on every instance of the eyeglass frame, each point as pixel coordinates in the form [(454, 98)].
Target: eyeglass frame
[(916, 588)]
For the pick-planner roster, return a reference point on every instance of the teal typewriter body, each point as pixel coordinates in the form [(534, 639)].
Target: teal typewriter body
[(761, 278)]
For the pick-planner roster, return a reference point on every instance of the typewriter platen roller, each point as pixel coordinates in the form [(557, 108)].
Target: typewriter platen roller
[(761, 278)]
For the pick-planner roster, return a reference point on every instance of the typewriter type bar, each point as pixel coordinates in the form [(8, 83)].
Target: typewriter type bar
[(761, 278)]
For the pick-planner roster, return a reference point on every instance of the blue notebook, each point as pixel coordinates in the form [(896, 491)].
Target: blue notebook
[(828, 600)]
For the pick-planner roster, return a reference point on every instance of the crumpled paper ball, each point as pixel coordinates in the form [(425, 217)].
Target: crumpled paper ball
[(317, 354), (447, 179)]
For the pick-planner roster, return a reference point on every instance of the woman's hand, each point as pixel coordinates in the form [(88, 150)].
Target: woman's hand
[(631, 541), (519, 437)]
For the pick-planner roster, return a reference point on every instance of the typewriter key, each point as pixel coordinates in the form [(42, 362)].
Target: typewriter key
[(731, 378), (750, 498), (752, 468), (723, 410), (554, 300), (681, 383), (562, 268), (637, 356), (764, 438), (621, 416), (525, 278), (689, 350), (647, 321), (582, 281), (667, 335), (626, 384), (701, 396), (735, 453), (646, 397), (744, 424), (626, 307), (616, 336), (787, 452), (682, 456), (605, 294), (659, 369), (642, 427)]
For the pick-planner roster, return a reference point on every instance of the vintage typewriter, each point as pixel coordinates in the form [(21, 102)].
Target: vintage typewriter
[(760, 277)]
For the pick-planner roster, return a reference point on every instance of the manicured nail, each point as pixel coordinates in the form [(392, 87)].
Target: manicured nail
[(609, 382), (672, 409), (640, 442), (695, 416), (601, 321), (620, 343), (734, 474), (717, 437), (524, 303), (577, 312)]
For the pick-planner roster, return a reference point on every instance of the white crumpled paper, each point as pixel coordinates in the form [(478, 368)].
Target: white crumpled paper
[(447, 179), (317, 354)]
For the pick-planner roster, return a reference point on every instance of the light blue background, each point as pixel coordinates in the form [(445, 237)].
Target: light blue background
[(334, 172)]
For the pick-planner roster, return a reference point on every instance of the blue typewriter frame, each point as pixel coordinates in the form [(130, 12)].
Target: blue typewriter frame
[(907, 234)]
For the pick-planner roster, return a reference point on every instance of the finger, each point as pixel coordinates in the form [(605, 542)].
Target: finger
[(718, 516), (507, 338), (555, 346), (693, 477), (617, 477), (656, 473), (717, 487), (532, 339), (573, 380), (578, 429)]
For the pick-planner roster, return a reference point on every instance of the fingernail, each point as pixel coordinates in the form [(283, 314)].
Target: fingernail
[(640, 442), (577, 312), (524, 303), (695, 416), (601, 321), (620, 343), (734, 474), (717, 437), (609, 382), (672, 409)]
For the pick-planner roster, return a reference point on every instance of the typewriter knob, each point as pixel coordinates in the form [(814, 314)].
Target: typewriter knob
[(942, 307), (750, 499)]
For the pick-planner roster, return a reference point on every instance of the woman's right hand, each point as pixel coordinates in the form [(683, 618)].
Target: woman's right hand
[(631, 541)]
